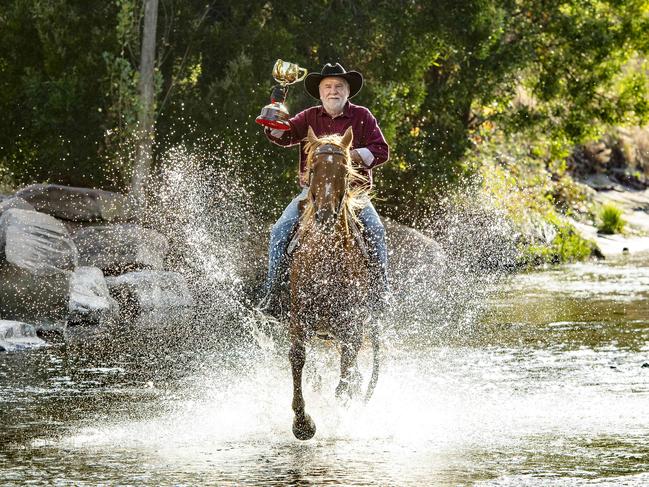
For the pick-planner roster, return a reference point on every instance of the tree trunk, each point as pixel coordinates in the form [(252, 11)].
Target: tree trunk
[(146, 118)]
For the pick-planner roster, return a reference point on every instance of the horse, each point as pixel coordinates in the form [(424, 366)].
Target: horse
[(330, 275)]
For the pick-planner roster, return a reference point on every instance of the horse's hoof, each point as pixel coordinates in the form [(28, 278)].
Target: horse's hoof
[(304, 427)]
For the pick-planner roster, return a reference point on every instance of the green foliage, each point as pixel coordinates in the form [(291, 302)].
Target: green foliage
[(567, 246), (51, 92), (7, 185), (438, 74), (611, 220), (121, 80), (523, 180)]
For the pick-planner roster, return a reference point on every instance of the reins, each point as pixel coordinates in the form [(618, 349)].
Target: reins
[(348, 203), (330, 149)]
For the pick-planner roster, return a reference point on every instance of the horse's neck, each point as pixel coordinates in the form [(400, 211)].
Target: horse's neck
[(343, 233)]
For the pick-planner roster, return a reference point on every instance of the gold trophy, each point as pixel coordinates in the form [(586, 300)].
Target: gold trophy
[(275, 115)]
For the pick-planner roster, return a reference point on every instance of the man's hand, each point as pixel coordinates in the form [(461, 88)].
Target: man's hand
[(356, 157)]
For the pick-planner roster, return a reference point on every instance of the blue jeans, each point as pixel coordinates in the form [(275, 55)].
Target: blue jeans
[(280, 235)]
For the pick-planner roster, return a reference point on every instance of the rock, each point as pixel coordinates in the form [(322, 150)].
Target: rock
[(90, 300), (36, 257), (120, 248), (14, 202), (77, 204), (599, 152), (535, 230), (34, 298), (600, 182), (36, 243), (15, 335), (628, 177), (152, 297)]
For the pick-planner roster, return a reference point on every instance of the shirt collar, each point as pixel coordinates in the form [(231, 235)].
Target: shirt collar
[(347, 111)]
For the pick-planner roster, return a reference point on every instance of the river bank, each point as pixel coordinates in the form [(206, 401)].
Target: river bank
[(634, 204), (554, 197)]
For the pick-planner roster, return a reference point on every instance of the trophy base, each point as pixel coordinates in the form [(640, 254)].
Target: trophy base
[(274, 116), (273, 124)]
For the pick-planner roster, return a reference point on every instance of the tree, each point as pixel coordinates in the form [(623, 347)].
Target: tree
[(146, 118), (52, 92), (436, 74)]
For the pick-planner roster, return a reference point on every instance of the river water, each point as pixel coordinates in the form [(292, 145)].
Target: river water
[(548, 388)]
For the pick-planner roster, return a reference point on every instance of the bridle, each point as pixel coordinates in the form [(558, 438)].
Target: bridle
[(329, 149)]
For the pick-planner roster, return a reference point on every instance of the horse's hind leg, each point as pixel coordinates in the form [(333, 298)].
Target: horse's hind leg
[(349, 376), (303, 425)]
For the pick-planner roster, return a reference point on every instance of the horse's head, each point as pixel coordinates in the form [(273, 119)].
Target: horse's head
[(330, 172)]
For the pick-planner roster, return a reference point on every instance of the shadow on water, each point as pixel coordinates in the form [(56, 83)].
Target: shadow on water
[(532, 379)]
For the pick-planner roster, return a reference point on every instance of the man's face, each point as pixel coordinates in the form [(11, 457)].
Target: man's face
[(334, 92)]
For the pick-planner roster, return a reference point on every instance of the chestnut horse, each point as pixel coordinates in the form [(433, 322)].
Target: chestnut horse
[(330, 273)]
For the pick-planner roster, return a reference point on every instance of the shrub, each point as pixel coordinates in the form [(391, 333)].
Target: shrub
[(611, 220), (567, 246)]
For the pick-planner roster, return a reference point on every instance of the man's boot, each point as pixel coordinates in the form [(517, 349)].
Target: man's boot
[(273, 300), (269, 303)]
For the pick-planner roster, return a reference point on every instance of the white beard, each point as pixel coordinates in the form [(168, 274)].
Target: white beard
[(334, 107)]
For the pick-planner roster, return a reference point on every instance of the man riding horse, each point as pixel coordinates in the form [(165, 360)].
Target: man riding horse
[(333, 86)]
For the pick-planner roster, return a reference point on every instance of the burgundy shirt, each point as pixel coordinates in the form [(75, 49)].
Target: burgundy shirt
[(364, 126)]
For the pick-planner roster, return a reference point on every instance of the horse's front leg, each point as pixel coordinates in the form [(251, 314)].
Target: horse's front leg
[(303, 425), (350, 378)]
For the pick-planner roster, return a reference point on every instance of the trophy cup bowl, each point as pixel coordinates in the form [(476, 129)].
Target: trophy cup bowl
[(286, 73), (275, 115)]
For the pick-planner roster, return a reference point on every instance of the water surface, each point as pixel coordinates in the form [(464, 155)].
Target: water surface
[(548, 388)]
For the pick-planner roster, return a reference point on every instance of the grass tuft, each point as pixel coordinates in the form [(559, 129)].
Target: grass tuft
[(611, 220)]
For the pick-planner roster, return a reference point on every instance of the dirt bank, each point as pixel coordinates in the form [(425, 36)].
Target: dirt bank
[(635, 207)]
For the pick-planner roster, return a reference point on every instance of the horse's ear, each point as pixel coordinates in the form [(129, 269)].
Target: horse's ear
[(347, 138), (310, 135)]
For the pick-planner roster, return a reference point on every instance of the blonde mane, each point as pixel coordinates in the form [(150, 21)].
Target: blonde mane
[(357, 190)]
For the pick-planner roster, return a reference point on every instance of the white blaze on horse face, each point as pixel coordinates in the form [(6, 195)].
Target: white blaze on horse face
[(327, 189)]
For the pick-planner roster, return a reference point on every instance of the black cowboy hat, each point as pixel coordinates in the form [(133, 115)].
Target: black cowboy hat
[(312, 81)]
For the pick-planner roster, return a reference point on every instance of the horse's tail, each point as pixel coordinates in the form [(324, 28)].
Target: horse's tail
[(376, 348)]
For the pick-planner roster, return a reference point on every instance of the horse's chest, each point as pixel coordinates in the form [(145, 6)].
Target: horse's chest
[(329, 285)]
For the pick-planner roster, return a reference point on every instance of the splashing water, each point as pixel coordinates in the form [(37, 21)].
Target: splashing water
[(459, 400)]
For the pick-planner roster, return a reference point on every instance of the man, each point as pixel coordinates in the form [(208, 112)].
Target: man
[(333, 86)]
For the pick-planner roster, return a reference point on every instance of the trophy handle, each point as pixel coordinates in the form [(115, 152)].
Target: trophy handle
[(302, 76)]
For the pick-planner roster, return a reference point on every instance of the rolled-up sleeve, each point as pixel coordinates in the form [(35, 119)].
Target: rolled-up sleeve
[(375, 142)]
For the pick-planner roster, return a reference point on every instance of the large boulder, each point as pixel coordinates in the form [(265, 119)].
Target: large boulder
[(121, 248), (152, 297), (30, 297), (14, 202), (15, 335), (36, 259), (77, 204), (36, 242), (90, 300)]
